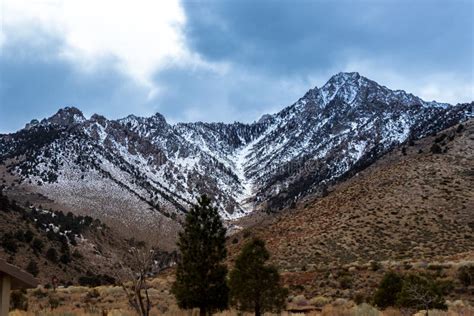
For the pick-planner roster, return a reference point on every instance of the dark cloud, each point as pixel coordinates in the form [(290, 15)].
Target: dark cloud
[(35, 83), (234, 95), (273, 51), (303, 37), (279, 49)]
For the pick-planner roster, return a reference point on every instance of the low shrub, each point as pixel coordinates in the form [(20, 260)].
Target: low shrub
[(375, 265), (319, 301), (300, 300), (92, 294), (440, 138), (365, 309), (466, 275), (345, 282), (18, 300), (359, 298), (53, 302), (52, 255), (37, 245), (411, 291), (77, 255), (39, 293), (29, 236), (390, 286), (94, 280), (32, 268), (8, 242), (436, 149)]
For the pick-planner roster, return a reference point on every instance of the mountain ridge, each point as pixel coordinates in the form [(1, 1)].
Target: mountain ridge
[(328, 134), (78, 114)]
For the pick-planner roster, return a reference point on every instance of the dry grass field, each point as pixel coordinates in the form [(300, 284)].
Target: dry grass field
[(111, 301)]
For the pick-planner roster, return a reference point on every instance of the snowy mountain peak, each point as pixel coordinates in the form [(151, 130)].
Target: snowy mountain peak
[(98, 118), (353, 89), (347, 86), (345, 76), (67, 116), (158, 119), (327, 135), (265, 119)]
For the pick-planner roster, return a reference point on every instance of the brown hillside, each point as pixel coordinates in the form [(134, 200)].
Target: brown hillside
[(413, 206), (28, 234)]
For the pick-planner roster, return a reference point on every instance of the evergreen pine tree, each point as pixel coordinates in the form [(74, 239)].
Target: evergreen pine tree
[(52, 255), (254, 285), (388, 290), (32, 268), (201, 275)]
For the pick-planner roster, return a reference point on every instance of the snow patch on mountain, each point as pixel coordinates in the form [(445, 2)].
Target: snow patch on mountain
[(348, 122)]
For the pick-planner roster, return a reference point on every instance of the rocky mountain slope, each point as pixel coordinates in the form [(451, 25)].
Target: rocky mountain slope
[(53, 244), (72, 249), (416, 202), (146, 171), (411, 211)]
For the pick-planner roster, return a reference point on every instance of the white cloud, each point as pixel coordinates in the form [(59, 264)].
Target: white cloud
[(142, 35), (446, 89)]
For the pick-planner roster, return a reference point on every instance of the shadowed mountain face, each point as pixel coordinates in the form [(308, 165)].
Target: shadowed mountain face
[(136, 169)]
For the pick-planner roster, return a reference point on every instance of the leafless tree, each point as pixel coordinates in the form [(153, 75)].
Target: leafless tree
[(133, 278), (421, 296)]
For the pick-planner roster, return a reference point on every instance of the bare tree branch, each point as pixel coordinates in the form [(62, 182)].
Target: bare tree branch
[(133, 278)]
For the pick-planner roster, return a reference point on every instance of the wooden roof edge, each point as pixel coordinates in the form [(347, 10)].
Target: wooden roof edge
[(20, 278)]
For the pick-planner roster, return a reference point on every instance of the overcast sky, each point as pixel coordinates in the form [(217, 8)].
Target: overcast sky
[(222, 60)]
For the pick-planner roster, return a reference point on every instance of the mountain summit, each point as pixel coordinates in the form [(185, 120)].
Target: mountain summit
[(139, 169)]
